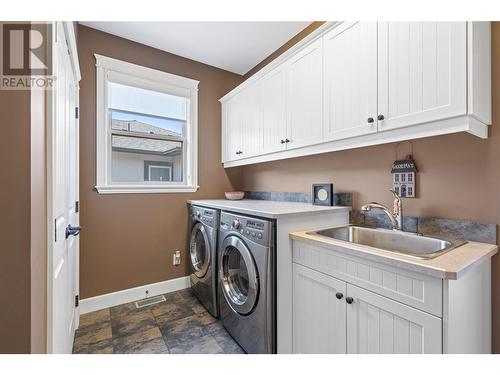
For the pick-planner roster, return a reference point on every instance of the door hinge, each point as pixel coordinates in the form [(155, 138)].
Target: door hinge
[(77, 112), (77, 206), (77, 300)]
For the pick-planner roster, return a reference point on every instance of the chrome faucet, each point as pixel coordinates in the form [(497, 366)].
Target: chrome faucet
[(396, 216)]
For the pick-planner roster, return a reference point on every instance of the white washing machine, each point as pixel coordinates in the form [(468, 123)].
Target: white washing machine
[(247, 281), (203, 226)]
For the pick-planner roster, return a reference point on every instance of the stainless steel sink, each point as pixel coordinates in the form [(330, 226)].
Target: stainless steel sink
[(406, 243)]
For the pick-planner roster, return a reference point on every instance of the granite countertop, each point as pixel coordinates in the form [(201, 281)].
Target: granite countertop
[(451, 265), (268, 209)]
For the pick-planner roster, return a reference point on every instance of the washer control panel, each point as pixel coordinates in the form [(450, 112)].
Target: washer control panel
[(205, 215), (256, 230)]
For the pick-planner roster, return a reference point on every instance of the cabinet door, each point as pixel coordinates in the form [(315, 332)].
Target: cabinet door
[(350, 82), (251, 121), (376, 324), (319, 318), (305, 96), (274, 110), (233, 117), (422, 72)]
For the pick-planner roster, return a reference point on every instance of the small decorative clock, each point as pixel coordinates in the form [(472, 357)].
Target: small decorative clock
[(322, 194)]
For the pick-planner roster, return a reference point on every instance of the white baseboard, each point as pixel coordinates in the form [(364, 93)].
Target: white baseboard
[(133, 294)]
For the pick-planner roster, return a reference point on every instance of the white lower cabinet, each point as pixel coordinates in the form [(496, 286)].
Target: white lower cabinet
[(334, 317), (377, 324), (319, 317), (344, 303)]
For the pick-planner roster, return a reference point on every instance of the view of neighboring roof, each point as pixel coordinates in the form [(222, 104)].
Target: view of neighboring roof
[(123, 143), (141, 127)]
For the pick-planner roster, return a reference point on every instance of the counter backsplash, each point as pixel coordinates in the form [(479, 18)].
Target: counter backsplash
[(431, 226)]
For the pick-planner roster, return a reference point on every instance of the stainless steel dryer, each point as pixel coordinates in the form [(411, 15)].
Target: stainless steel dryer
[(247, 281), (202, 243)]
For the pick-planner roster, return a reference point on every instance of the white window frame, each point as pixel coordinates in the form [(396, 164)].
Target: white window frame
[(139, 76), (168, 168)]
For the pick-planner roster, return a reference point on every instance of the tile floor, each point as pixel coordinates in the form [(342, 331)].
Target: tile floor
[(179, 325)]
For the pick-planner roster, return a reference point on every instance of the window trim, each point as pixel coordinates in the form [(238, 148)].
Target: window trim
[(147, 78)]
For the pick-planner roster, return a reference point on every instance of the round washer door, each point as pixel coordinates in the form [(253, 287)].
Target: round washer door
[(238, 274), (199, 250)]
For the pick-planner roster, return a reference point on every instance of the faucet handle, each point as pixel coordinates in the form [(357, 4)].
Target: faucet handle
[(395, 195)]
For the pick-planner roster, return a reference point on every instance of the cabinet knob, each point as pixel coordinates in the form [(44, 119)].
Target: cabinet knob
[(339, 295), (287, 140), (349, 300), (380, 117), (282, 141), (370, 120)]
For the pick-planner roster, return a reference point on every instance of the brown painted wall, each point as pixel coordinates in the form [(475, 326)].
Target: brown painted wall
[(15, 222), (128, 239), (459, 176)]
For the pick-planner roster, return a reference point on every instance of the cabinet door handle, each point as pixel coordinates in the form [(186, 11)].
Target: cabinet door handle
[(380, 117), (349, 300), (282, 141), (287, 140), (370, 120), (339, 295)]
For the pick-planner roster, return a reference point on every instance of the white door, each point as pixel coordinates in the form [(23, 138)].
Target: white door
[(305, 96), (274, 110), (251, 122), (319, 312), (350, 82), (63, 192), (232, 128), (376, 324), (422, 72)]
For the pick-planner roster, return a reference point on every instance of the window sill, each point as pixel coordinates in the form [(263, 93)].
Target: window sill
[(134, 189)]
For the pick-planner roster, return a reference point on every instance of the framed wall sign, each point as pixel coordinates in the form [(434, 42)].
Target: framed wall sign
[(322, 194)]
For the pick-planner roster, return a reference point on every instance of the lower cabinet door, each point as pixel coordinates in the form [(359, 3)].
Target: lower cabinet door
[(376, 324), (319, 314)]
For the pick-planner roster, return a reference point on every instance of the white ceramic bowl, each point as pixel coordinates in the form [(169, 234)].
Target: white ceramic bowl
[(234, 195)]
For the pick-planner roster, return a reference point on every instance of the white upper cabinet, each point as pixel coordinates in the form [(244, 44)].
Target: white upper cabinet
[(350, 82), (242, 114), (305, 96), (357, 84), (274, 110), (422, 72), (251, 122), (231, 141)]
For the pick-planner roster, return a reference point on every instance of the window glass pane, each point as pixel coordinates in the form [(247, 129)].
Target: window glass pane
[(146, 124), (134, 99), (135, 159)]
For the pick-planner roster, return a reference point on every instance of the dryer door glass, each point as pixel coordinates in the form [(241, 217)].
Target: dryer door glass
[(199, 249), (239, 276)]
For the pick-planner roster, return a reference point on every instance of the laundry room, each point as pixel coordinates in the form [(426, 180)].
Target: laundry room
[(250, 188)]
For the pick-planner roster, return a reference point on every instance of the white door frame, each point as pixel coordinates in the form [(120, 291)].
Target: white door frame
[(69, 32)]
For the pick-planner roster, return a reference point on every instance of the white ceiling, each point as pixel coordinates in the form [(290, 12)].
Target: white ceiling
[(233, 46)]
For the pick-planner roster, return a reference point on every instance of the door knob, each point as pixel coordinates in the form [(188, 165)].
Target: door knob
[(370, 120), (339, 295), (380, 117), (349, 300), (72, 231)]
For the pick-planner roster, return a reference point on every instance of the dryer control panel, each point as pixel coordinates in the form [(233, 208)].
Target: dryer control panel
[(205, 215), (254, 229)]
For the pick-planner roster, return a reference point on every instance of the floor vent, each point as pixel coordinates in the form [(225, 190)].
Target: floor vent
[(149, 301)]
